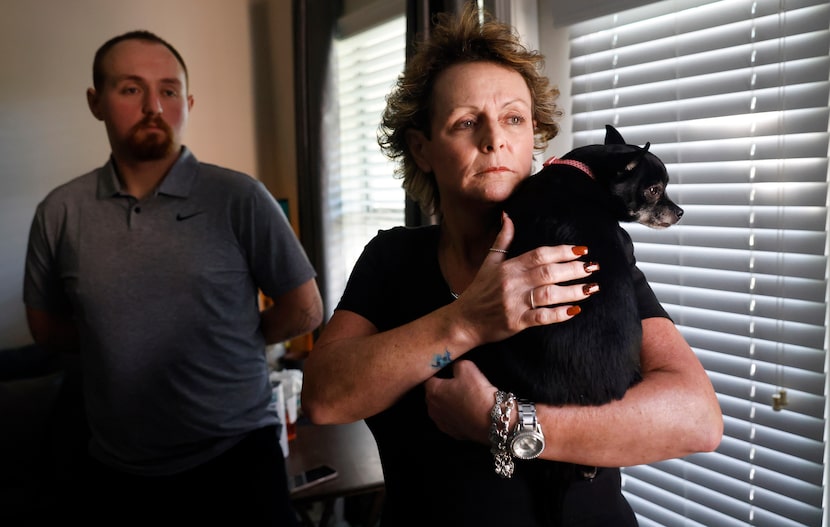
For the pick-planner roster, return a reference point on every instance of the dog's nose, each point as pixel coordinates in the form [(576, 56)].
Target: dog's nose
[(679, 213)]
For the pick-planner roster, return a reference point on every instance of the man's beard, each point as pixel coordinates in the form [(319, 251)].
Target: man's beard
[(151, 146)]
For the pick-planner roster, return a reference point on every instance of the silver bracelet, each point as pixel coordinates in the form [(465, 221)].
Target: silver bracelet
[(499, 431)]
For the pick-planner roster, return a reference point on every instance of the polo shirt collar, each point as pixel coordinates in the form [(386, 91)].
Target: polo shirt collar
[(178, 182)]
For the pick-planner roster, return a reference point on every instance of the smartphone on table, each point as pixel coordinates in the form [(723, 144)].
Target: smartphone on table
[(310, 477)]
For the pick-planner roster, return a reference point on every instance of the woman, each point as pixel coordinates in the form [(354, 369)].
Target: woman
[(464, 120)]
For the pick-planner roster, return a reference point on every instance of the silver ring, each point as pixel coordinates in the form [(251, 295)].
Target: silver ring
[(494, 250), (532, 303)]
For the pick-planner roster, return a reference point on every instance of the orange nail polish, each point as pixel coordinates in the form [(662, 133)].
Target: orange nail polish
[(580, 250), (590, 289), (590, 267), (574, 310)]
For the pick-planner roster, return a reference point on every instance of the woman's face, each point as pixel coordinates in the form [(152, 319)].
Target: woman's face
[(482, 134)]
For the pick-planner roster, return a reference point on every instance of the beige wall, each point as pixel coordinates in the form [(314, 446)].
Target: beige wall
[(48, 136)]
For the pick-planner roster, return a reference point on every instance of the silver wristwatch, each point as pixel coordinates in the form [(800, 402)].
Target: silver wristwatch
[(527, 441)]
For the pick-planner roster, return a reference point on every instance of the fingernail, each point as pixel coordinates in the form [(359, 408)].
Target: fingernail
[(574, 310), (590, 267), (590, 289), (580, 250)]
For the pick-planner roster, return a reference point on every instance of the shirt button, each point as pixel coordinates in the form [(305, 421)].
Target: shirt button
[(137, 210)]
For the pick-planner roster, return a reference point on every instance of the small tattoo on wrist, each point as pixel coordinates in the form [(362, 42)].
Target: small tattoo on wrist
[(439, 361)]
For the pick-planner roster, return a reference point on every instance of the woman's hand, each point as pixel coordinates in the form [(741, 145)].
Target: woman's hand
[(509, 295), (460, 406)]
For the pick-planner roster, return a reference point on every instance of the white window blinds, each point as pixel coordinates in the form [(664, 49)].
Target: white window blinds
[(363, 194), (733, 96)]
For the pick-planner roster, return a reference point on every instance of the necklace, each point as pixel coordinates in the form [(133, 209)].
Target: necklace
[(454, 294)]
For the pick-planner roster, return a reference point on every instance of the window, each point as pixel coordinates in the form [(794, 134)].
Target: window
[(733, 96), (364, 195)]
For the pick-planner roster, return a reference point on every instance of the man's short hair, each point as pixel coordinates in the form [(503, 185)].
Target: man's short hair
[(98, 74)]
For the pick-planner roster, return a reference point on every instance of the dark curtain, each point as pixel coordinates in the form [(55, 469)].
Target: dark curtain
[(314, 27)]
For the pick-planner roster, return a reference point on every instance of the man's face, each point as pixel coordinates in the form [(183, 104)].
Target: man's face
[(143, 101)]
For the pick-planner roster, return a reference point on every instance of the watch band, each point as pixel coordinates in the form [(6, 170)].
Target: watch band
[(527, 414)]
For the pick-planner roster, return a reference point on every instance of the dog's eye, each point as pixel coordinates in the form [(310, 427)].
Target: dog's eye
[(654, 192)]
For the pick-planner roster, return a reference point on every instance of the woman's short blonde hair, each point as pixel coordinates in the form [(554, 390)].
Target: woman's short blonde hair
[(456, 40)]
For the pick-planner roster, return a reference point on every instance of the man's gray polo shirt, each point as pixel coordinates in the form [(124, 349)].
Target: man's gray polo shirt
[(164, 291)]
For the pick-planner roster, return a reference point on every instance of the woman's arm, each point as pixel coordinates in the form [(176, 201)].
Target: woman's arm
[(673, 412), (354, 372)]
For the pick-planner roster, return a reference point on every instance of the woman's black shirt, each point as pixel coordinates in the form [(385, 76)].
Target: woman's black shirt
[(431, 478)]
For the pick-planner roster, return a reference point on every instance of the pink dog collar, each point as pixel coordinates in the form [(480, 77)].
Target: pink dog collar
[(576, 164)]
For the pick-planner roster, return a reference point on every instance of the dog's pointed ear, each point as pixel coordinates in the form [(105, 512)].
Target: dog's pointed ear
[(612, 136), (637, 156)]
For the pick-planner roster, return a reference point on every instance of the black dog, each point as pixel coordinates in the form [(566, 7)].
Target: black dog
[(594, 357)]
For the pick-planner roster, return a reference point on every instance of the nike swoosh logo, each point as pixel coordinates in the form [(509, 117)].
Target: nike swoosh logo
[(182, 217)]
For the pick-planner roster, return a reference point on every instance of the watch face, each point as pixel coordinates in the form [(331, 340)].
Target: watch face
[(527, 445)]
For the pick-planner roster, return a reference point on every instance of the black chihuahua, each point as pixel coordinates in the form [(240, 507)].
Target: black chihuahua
[(580, 199)]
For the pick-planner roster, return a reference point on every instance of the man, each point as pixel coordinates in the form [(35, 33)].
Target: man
[(151, 266)]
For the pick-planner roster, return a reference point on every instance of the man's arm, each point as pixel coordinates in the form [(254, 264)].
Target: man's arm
[(53, 331), (293, 313)]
